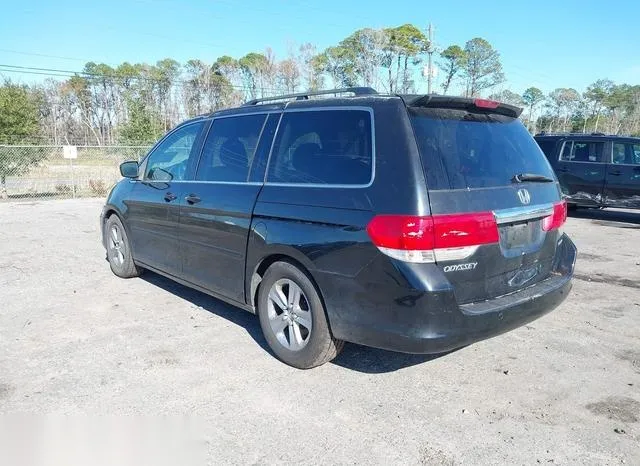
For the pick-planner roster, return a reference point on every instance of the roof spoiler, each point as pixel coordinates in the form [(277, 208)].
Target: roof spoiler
[(462, 103)]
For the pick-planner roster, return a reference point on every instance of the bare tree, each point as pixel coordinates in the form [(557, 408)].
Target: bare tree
[(289, 75), (310, 70)]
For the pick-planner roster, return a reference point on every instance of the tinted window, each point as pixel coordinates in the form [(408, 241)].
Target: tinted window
[(462, 149), (626, 153), (259, 166), (228, 151), (582, 151), (169, 160), (566, 151), (548, 147), (323, 147)]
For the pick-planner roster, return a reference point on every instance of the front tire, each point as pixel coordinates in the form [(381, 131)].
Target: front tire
[(293, 318), (119, 249)]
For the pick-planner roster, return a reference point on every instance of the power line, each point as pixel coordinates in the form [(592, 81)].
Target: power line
[(33, 54), (69, 73), (63, 73), (35, 72)]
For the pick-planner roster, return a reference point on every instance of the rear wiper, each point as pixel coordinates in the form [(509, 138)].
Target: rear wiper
[(522, 177)]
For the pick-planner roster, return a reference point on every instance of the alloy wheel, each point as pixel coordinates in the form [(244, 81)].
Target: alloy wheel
[(289, 314), (116, 245)]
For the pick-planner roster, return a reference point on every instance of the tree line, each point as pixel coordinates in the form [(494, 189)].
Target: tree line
[(604, 107), (136, 103)]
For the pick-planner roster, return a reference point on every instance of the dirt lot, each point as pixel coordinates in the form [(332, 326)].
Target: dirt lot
[(74, 339)]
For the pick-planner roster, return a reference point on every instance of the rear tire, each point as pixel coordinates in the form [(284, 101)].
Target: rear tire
[(119, 249), (293, 318)]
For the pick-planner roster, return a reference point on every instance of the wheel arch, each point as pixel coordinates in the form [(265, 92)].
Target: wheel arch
[(262, 266), (266, 262), (108, 211)]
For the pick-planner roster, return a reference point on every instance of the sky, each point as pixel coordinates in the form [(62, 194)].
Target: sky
[(547, 44)]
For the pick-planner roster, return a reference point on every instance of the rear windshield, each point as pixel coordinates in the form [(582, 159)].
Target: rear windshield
[(462, 149)]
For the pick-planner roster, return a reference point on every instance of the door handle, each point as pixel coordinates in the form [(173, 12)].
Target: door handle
[(563, 170), (170, 197), (616, 173), (192, 199)]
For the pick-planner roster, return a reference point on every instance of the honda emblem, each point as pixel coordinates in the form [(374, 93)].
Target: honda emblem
[(524, 196)]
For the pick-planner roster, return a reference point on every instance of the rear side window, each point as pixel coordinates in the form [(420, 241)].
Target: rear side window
[(626, 153), (325, 147), (582, 151), (462, 149), (228, 151)]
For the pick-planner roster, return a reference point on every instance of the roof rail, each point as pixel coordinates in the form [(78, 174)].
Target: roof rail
[(356, 91), (569, 133)]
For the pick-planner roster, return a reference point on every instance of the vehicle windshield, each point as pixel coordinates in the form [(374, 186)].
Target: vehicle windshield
[(462, 149)]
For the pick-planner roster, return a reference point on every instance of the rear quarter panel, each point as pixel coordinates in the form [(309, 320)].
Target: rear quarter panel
[(324, 228)]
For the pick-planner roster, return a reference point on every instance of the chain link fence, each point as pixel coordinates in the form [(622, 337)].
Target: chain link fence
[(42, 171)]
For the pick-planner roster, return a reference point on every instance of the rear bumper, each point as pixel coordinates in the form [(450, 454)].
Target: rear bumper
[(431, 321)]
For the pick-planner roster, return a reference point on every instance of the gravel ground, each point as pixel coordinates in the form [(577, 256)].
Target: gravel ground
[(76, 340)]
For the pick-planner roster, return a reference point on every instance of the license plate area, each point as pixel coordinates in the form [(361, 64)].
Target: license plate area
[(521, 237)]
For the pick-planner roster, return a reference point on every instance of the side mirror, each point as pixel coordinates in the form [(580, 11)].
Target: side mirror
[(129, 169)]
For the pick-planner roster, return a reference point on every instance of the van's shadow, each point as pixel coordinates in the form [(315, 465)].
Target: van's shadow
[(354, 357), (611, 218)]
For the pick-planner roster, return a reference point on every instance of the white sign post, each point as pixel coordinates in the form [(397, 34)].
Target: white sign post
[(71, 152)]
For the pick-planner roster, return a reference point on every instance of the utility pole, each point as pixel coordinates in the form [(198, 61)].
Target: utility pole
[(430, 53)]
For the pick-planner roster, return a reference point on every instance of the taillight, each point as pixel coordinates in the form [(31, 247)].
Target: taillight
[(428, 239), (557, 219), (484, 103), (459, 230)]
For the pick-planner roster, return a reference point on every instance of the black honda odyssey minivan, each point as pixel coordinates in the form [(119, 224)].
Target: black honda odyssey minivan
[(413, 223)]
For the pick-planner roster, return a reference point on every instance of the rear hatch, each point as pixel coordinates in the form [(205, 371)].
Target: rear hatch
[(482, 165)]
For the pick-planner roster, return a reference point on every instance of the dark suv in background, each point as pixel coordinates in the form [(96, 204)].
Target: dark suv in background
[(413, 223), (595, 170)]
